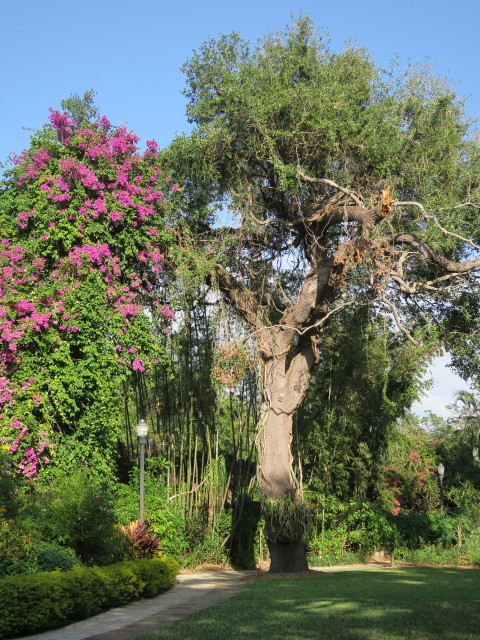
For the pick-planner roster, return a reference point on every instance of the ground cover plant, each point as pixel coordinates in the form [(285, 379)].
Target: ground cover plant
[(353, 605)]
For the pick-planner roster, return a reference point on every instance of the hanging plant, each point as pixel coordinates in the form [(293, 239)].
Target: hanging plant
[(230, 364)]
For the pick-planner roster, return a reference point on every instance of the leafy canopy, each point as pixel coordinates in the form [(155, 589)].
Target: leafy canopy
[(323, 156)]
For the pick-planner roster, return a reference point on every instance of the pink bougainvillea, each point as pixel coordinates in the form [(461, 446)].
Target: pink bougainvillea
[(84, 242)]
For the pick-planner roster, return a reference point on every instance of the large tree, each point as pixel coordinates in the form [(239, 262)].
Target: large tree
[(349, 186)]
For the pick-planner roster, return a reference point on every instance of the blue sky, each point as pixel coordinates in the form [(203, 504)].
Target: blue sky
[(131, 52)]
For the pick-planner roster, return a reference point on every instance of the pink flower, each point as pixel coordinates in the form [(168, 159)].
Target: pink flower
[(137, 365), (152, 145), (115, 216)]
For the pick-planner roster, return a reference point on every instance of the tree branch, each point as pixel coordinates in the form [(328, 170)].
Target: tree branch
[(431, 254), (398, 322), (244, 300), (331, 183), (433, 217)]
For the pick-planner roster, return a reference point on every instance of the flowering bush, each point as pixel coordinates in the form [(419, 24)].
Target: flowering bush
[(86, 223), (410, 483), (18, 554)]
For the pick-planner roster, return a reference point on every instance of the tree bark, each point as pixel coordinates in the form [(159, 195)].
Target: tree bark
[(283, 391), (287, 557)]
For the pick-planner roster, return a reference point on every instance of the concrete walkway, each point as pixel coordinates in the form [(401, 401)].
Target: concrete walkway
[(191, 593)]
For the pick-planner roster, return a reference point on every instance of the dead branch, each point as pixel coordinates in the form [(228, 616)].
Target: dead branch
[(398, 322), (431, 216), (331, 183), (431, 254)]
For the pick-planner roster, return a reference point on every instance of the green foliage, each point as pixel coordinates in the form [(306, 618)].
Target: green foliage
[(365, 381), (51, 557), (471, 549), (18, 553), (72, 509), (164, 516), (286, 519), (414, 530), (31, 604), (409, 481), (331, 557), (467, 406), (261, 111), (464, 504), (350, 526), (81, 108), (11, 486), (206, 550), (22, 551), (429, 555)]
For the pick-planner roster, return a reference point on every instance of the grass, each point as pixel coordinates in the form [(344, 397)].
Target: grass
[(393, 604)]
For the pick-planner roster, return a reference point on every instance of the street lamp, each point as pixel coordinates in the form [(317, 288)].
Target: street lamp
[(142, 430), (441, 473)]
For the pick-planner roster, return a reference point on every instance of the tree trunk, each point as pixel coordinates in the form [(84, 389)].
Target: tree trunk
[(287, 557), (282, 394)]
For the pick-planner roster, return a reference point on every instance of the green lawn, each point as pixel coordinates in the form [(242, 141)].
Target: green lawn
[(437, 604)]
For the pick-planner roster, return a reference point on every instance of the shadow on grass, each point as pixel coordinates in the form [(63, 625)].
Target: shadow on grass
[(356, 605)]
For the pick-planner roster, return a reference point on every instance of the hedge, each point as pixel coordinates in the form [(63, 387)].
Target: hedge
[(42, 601)]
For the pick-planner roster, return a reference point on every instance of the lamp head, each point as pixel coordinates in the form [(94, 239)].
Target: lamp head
[(142, 429), (441, 470)]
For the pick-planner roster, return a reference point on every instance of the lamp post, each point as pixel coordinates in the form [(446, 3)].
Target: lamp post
[(142, 430), (441, 473)]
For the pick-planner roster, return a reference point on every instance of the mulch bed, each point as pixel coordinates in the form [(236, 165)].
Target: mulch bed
[(264, 575)]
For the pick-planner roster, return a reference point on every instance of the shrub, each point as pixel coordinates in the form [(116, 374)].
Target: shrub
[(18, 554), (34, 603), (415, 530), (71, 509), (11, 486), (51, 557), (471, 549), (164, 516), (142, 538), (351, 526), (22, 553), (333, 558), (427, 555)]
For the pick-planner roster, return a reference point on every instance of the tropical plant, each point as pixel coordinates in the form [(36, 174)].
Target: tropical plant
[(467, 406), (142, 537)]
